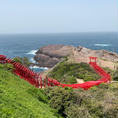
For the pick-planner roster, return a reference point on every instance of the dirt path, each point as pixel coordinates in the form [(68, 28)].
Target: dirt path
[(79, 81)]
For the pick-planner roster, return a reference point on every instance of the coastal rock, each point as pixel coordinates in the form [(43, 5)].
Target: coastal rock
[(104, 58), (49, 56)]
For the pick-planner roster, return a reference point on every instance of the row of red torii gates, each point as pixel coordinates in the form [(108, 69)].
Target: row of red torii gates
[(36, 79)]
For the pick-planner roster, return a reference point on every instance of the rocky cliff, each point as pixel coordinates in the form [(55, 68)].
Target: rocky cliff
[(50, 55)]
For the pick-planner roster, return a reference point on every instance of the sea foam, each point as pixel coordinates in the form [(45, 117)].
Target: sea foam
[(34, 67), (37, 67), (102, 45), (32, 60), (43, 68), (32, 52)]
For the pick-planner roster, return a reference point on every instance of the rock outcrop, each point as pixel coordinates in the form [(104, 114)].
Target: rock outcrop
[(50, 55)]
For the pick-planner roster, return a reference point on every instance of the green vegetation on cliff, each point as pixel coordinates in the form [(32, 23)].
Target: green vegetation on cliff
[(68, 72), (18, 99)]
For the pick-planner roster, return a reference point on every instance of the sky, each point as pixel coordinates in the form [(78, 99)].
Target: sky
[(58, 16)]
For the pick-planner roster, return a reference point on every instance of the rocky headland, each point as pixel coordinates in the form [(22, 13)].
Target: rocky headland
[(49, 56)]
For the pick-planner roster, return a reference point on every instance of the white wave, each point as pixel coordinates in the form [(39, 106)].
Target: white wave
[(43, 68), (32, 52), (102, 45), (33, 67), (32, 60), (37, 67)]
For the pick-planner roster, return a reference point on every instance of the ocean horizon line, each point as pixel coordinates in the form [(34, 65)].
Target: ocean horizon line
[(21, 33)]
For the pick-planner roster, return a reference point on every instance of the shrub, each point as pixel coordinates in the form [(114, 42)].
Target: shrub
[(97, 102), (77, 112), (60, 99)]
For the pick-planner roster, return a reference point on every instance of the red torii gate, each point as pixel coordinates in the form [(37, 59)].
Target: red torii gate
[(92, 60)]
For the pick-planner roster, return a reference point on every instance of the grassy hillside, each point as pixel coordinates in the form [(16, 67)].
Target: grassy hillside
[(68, 72), (18, 99)]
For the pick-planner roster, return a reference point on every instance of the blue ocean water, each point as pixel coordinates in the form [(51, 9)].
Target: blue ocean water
[(27, 44)]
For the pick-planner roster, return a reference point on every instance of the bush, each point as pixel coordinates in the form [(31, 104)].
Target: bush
[(77, 112), (60, 99), (97, 102)]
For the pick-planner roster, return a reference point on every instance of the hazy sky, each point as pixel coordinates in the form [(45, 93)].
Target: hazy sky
[(45, 16)]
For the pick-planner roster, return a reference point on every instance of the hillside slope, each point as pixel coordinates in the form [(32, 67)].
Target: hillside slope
[(69, 72), (18, 99)]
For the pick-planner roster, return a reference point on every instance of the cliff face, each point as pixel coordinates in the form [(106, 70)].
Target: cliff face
[(50, 55)]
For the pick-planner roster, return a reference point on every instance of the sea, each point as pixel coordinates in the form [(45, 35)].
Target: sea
[(13, 45)]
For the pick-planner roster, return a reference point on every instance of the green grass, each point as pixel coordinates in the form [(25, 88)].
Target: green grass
[(18, 99), (68, 72)]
